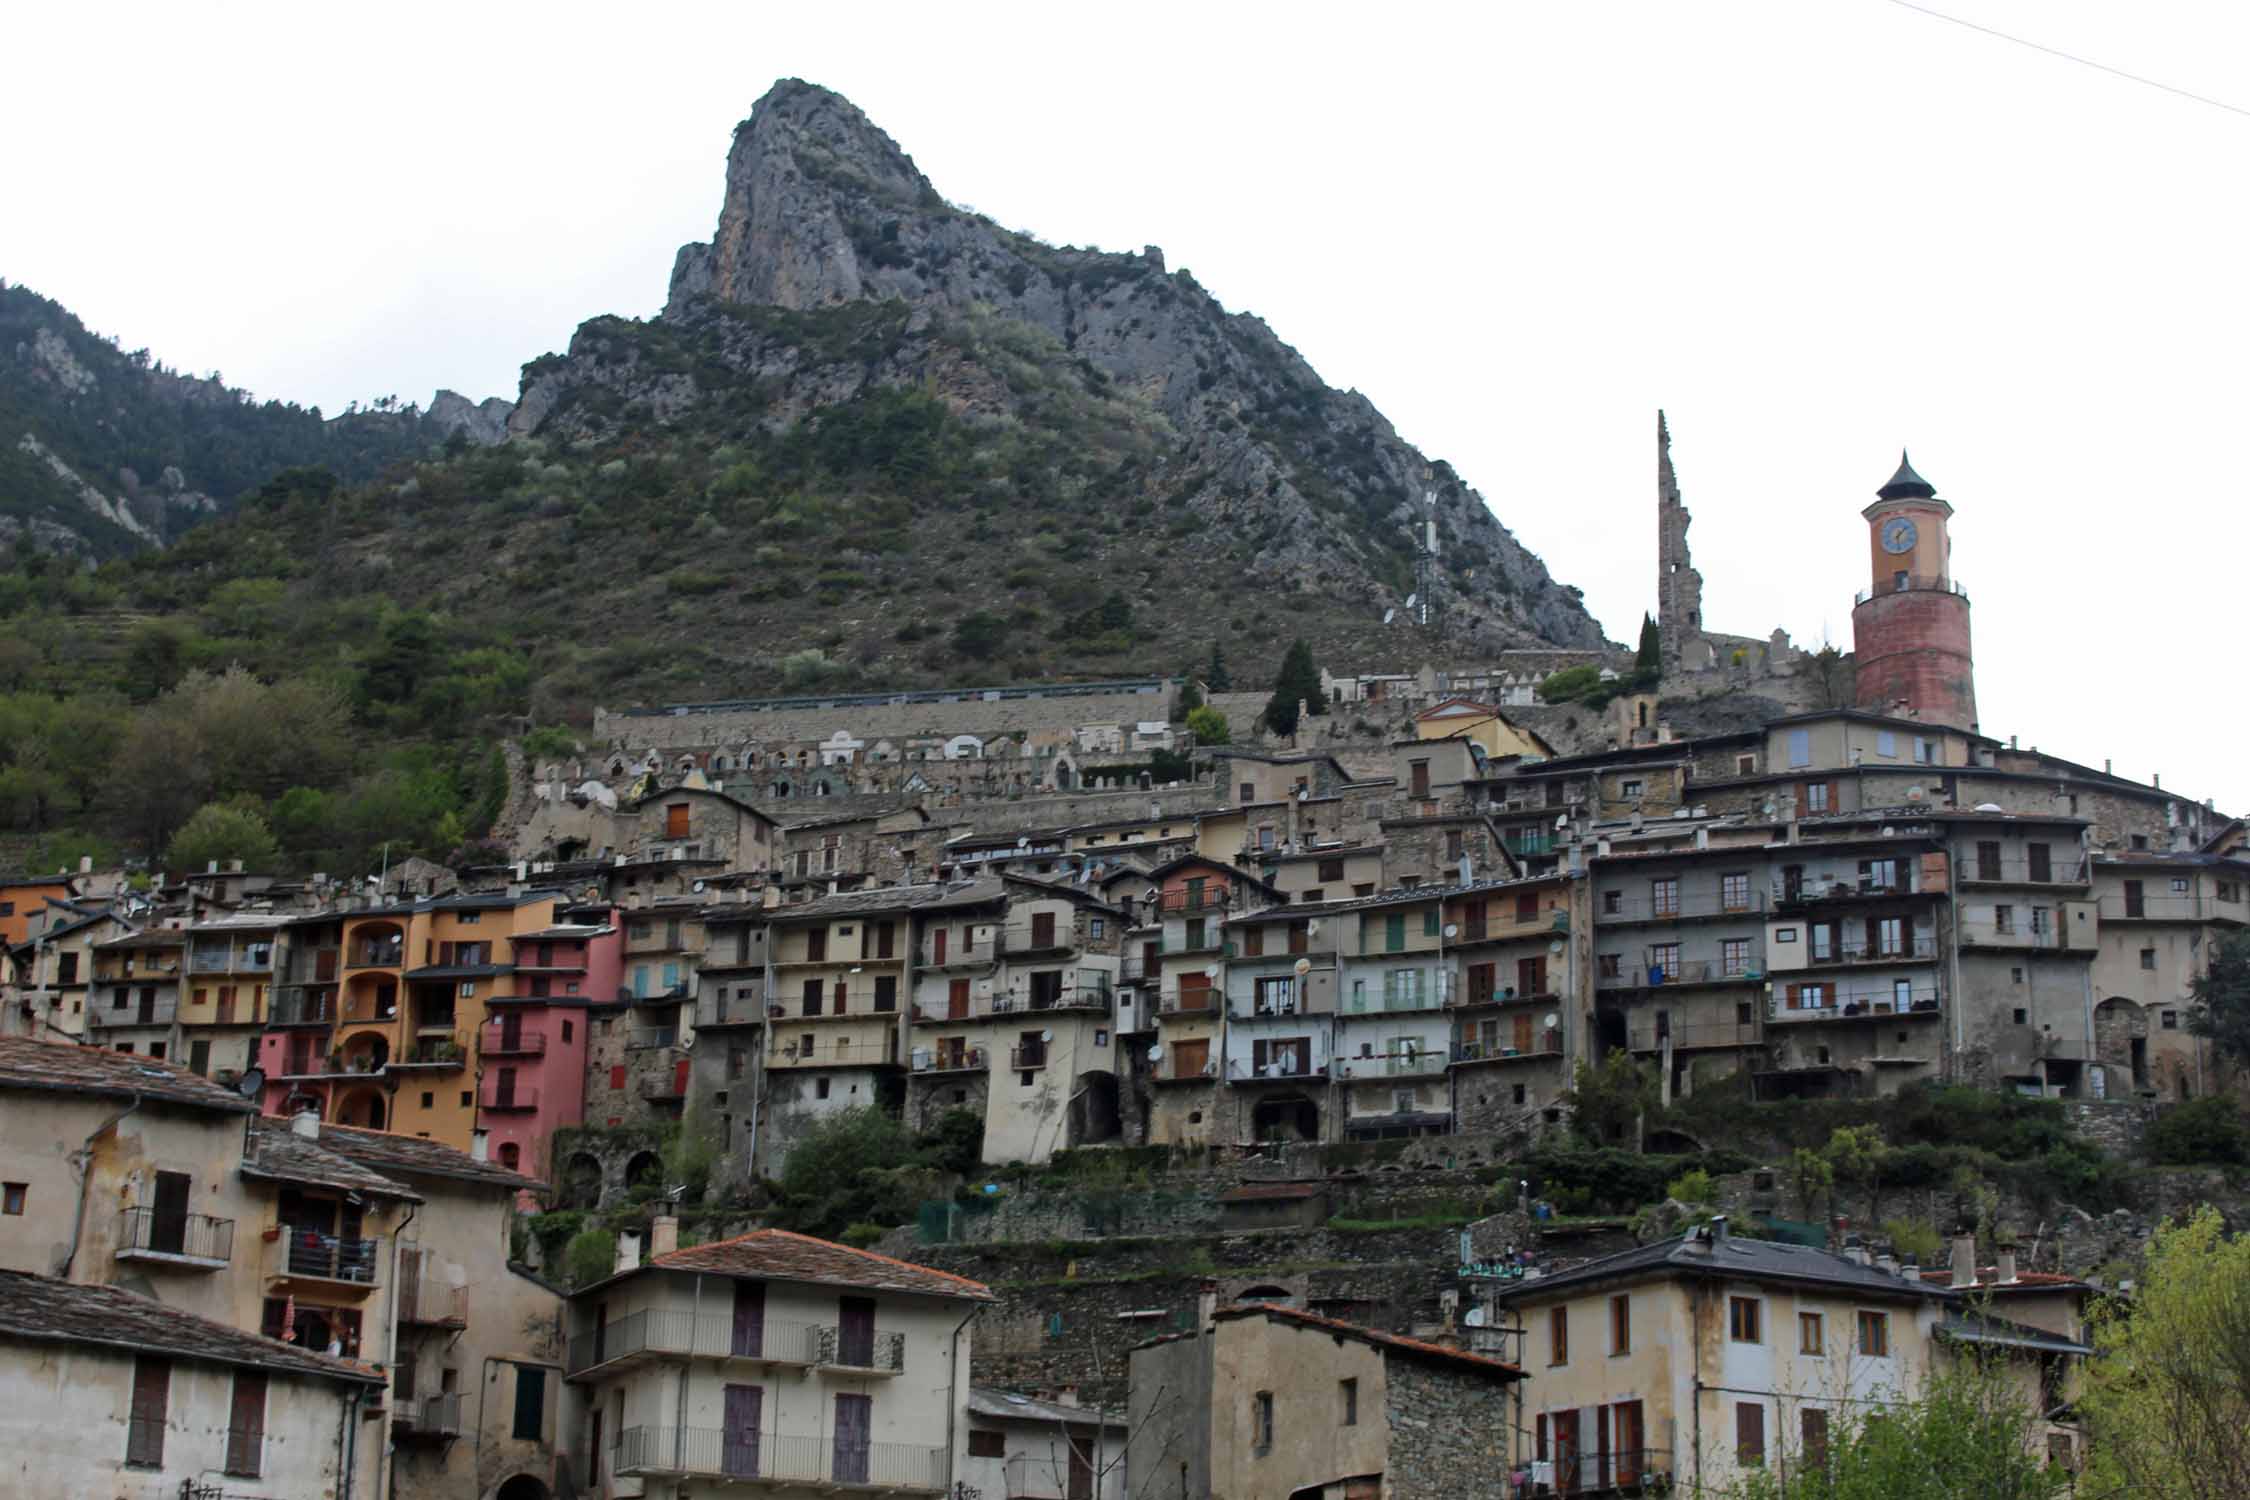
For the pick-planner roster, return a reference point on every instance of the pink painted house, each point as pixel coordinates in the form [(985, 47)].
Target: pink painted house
[(531, 1049)]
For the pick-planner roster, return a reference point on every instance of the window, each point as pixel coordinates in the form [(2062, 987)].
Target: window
[(2003, 919), (1261, 1423), (1621, 1324), (1744, 1315), (1809, 1333), (1875, 1335), (2042, 920), (145, 1421), (1749, 1434), (1816, 796), (1611, 965), (246, 1424), (2168, 1020), (987, 1442), (2148, 958), (820, 1088), (1925, 751), (1630, 789), (1746, 765), (1800, 747), (2229, 890), (1333, 870), (531, 1404), (1734, 891), (1664, 897), (1734, 956), (2022, 1016), (566, 1028), (1664, 958), (1886, 743), (1558, 1336), (1785, 934), (1813, 1422), (1613, 903), (2179, 885), (429, 1099), (1348, 1394), (12, 1196)]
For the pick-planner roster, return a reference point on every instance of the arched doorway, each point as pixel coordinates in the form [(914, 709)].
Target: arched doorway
[(520, 1487), (582, 1182), (1094, 1115), (2121, 1038), (362, 1107), (646, 1169)]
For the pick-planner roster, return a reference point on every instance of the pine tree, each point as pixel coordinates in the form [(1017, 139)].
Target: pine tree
[(1191, 698), (1299, 682), (1216, 677), (1650, 658)]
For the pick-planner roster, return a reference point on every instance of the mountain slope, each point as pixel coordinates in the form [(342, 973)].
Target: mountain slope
[(104, 452)]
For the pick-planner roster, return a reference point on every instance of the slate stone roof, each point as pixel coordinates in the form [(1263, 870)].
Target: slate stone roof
[(412, 1156), (1006, 1406), (1734, 1258), (1396, 1343), (61, 1312), (1906, 484), (779, 1255), (277, 1153), (883, 899), (67, 1068), (1987, 1331)]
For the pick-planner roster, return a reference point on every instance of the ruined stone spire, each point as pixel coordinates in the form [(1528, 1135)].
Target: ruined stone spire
[(1679, 588)]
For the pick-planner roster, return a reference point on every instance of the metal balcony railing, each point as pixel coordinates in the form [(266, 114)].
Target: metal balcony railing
[(1203, 1001), (1789, 893), (1276, 1068), (1539, 1044), (845, 1052), (1024, 1058), (1276, 1000), (2169, 908), (1920, 945), (1629, 1471), (1194, 901), (865, 1349), (1477, 929), (108, 1015), (1750, 902), (2059, 868), (311, 966), (296, 1006), (1656, 970), (797, 1460), (380, 955), (1913, 584), (958, 954), (429, 1416), (962, 1060), (494, 1039), (310, 1252), (1885, 1003), (1423, 1064), (192, 1237), (1420, 990), (1694, 1035), (687, 1335), (431, 1304), (504, 1094), (433, 1052)]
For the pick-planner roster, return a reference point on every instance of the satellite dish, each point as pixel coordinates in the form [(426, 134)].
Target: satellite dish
[(1388, 615), (1156, 1054), (1549, 1020), (1410, 598), (1210, 971), (1304, 967), (251, 1081), (1312, 928), (1452, 929), (698, 887), (1046, 1036), (1555, 946)]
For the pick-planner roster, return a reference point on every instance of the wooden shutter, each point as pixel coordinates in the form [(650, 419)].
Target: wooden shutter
[(1042, 929), (676, 821), (749, 1318), (745, 1408), (246, 1424), (1815, 1423), (855, 1331), (854, 1424), (1629, 1442), (1749, 1433), (144, 1427), (531, 1404)]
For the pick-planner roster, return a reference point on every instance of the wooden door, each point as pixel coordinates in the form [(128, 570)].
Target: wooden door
[(1566, 1451), (957, 1000), (1190, 1058), (749, 1319), (511, 1031), (1522, 1040), (680, 1071), (1531, 976), (855, 1331), (167, 1229), (854, 1426), (937, 946), (745, 1412), (1628, 1436), (409, 1296), (1081, 1485), (1042, 929), (152, 1393)]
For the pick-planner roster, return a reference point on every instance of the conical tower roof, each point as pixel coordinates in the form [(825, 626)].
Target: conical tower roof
[(1906, 484)]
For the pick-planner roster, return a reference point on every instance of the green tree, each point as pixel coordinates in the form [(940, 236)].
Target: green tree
[(979, 636), (1298, 684), (223, 831), (854, 1167), (2167, 1396), (2202, 1132), (1856, 1156), (1216, 676), (402, 659), (1191, 698), (1609, 1099), (2219, 1008), (1209, 726), (1648, 661), (1966, 1432), (155, 659), (84, 733)]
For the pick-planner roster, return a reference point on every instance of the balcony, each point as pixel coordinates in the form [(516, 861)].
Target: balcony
[(1912, 584), (429, 1304), (431, 1418), (1138, 967), (2129, 908), (839, 1052), (1626, 911), (1476, 929), (295, 1005), (1027, 1057), (1188, 902), (744, 1007), (1420, 990), (494, 1039), (222, 958), (1660, 972), (502, 1094), (378, 955), (1086, 996), (1170, 1068), (1427, 1063), (1920, 948), (865, 1353), (652, 1038), (1276, 1069), (1505, 994), (1888, 1005), (669, 1089), (320, 1256), (1273, 1001), (1628, 1471), (1540, 1044), (1695, 1036), (764, 1458), (1194, 1002), (958, 1060), (2062, 868), (310, 966), (1793, 895), (686, 1335), (958, 955), (434, 1054), (134, 1012), (192, 1241)]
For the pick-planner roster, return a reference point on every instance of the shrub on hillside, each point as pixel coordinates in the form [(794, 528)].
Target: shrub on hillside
[(2202, 1132)]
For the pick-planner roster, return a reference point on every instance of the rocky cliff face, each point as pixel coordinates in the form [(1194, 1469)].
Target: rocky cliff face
[(823, 211)]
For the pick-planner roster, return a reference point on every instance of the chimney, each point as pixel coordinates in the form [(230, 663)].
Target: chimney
[(1887, 1263), (1964, 1260), (628, 1251), (234, 867), (212, 868), (1718, 1229), (1067, 1396), (480, 1145), (663, 1235), (770, 897), (85, 864), (305, 1123), (1206, 1303), (2007, 1269)]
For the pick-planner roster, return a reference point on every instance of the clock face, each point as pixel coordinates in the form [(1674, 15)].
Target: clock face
[(1898, 535)]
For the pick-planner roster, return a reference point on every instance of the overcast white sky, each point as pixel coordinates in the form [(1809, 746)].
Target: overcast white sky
[(1811, 232)]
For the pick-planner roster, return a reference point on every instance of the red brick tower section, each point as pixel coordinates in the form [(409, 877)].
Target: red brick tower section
[(1910, 630)]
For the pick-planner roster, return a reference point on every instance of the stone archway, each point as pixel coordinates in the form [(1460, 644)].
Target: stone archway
[(1285, 1117), (2121, 1039), (365, 1108), (644, 1169), (521, 1487), (1094, 1115), (582, 1182)]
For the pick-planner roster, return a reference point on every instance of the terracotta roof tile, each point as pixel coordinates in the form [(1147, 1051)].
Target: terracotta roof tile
[(782, 1255), (66, 1067), (1418, 1348), (62, 1312)]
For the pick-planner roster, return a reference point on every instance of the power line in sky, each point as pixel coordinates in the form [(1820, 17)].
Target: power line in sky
[(2085, 62)]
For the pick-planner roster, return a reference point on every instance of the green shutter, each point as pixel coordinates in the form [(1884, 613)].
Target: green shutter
[(1394, 932), (1429, 922)]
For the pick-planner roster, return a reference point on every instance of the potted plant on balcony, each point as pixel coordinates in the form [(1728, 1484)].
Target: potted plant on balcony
[(335, 1059)]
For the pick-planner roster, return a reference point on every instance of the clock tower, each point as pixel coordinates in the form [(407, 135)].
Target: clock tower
[(1910, 630)]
